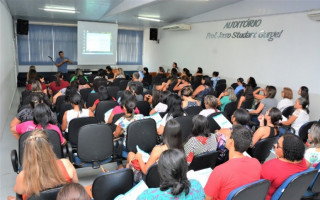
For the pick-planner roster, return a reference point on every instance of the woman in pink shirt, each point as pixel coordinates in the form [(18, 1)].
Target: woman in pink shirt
[(41, 120)]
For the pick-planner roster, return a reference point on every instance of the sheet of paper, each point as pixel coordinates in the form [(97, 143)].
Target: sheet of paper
[(200, 175), (145, 155), (134, 192), (222, 121)]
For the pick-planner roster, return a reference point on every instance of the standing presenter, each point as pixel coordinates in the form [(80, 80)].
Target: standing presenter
[(62, 64)]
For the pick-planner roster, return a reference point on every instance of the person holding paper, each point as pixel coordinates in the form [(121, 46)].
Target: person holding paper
[(172, 167), (171, 139)]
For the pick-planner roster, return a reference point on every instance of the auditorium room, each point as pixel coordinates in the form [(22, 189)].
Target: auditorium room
[(159, 99)]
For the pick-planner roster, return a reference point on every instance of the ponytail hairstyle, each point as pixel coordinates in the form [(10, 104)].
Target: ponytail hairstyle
[(58, 77), (130, 107), (76, 99), (240, 80), (275, 116), (133, 88), (304, 103), (35, 99), (173, 167), (305, 93)]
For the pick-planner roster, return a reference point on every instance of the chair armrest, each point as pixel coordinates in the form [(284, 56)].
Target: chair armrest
[(70, 152), (64, 151), (18, 196), (14, 161)]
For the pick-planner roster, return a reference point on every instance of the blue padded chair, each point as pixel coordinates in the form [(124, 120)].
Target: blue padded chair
[(257, 190), (314, 188), (295, 186)]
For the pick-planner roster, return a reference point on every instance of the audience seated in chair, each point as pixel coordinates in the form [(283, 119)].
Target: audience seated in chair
[(181, 83), (73, 191), (161, 106), (238, 171), (204, 89), (171, 139), (289, 151), (174, 184), (41, 120), (226, 97), (287, 96), (41, 169), (188, 101), (268, 102), (58, 84), (241, 85), (83, 83), (201, 140), (76, 112), (211, 104), (73, 87), (312, 154), (36, 89), (304, 92), (215, 78), (123, 123), (126, 96), (300, 116), (174, 110), (269, 130), (103, 96)]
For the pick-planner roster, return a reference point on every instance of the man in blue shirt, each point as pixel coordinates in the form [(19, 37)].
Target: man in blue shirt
[(62, 63)]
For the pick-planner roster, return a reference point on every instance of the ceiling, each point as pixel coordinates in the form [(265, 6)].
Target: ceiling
[(125, 12)]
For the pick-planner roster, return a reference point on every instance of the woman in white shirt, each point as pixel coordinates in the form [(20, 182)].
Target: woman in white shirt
[(211, 104), (300, 116), (76, 112), (287, 99)]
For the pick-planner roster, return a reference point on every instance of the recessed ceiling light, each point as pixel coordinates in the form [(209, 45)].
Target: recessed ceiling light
[(59, 9), (150, 19)]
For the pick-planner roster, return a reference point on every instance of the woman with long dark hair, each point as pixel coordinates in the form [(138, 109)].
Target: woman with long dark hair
[(174, 184), (171, 139)]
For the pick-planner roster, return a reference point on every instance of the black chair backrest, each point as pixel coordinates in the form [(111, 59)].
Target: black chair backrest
[(234, 85), (315, 187), (116, 82), (193, 110), (102, 108), (75, 125), (95, 142), (257, 190), (288, 111), (186, 126), (298, 186), (204, 160), (49, 194), (239, 94), (247, 104), (152, 177), (140, 90), (220, 88), (91, 99), (261, 150), (54, 140), (116, 117), (109, 185), (85, 93), (221, 81), (143, 107), (123, 84), (59, 102), (113, 90), (142, 133), (229, 109), (304, 129), (63, 108), (213, 125)]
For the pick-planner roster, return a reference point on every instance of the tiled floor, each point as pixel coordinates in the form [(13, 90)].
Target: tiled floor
[(8, 142)]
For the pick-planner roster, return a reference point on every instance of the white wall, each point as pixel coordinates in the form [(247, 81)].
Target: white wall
[(7, 63), (291, 60)]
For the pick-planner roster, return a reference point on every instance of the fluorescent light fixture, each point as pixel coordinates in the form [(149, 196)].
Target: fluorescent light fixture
[(150, 19), (59, 9)]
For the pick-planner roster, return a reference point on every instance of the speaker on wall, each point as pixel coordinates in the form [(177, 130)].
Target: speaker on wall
[(22, 27), (153, 34)]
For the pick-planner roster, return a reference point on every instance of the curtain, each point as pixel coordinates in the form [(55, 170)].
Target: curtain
[(129, 47)]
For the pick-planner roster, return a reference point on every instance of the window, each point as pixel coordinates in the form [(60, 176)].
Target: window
[(129, 47), (43, 41)]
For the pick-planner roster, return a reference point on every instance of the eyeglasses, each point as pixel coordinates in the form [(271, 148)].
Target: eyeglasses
[(276, 145)]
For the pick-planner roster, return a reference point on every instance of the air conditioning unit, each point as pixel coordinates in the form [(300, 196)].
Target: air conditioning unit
[(177, 27), (314, 15)]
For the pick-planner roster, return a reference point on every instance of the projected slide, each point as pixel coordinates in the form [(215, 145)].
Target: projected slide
[(97, 43)]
